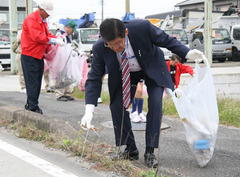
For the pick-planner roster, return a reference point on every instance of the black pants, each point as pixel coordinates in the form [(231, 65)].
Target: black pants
[(120, 116), (33, 72)]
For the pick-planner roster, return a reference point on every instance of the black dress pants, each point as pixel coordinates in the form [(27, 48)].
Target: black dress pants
[(33, 72)]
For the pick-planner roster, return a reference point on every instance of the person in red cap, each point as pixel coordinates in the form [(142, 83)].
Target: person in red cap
[(35, 40)]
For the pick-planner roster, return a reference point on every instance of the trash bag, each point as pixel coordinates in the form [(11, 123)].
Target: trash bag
[(50, 55), (65, 69), (84, 64), (197, 108)]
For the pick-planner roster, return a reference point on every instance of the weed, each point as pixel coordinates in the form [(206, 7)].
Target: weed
[(229, 112)]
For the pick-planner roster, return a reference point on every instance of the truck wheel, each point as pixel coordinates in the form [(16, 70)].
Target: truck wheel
[(235, 55), (221, 60)]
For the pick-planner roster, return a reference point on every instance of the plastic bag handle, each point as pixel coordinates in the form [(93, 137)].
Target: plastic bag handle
[(205, 60)]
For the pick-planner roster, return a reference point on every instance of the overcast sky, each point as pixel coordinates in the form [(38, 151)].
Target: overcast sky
[(111, 8)]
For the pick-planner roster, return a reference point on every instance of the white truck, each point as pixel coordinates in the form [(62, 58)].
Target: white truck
[(231, 22), (221, 43), (235, 36), (5, 58), (85, 39)]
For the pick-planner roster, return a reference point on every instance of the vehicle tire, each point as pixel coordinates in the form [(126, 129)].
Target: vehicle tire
[(235, 54), (221, 60)]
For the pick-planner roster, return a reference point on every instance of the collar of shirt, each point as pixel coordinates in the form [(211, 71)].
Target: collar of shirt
[(44, 20), (133, 63)]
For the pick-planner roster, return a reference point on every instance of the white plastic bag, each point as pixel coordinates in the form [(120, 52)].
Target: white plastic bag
[(65, 70), (197, 108)]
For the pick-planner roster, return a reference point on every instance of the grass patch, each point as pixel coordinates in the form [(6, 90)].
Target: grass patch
[(229, 112), (91, 150)]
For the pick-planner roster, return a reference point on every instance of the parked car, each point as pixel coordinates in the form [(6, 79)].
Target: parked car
[(180, 35)]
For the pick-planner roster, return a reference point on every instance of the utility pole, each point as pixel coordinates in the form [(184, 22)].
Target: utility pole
[(208, 30), (29, 7), (127, 5), (102, 9), (13, 32)]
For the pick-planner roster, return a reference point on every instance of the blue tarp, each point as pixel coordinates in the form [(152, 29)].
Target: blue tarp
[(128, 16), (84, 22)]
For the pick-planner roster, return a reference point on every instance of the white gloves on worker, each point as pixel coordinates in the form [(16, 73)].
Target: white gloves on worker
[(196, 56), (87, 118), (60, 41)]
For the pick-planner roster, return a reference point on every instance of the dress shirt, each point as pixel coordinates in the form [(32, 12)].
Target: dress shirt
[(133, 63)]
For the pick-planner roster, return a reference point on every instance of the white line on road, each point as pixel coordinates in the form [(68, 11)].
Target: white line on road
[(35, 161)]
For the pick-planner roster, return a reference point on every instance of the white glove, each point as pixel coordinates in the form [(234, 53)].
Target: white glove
[(169, 91), (196, 56), (87, 118), (59, 41)]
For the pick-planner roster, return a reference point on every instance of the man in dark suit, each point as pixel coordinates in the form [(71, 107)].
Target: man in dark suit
[(141, 41)]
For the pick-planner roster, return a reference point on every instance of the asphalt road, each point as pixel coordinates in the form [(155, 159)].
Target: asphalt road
[(18, 154), (176, 158)]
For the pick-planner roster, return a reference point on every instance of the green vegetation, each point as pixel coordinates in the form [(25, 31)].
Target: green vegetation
[(229, 112), (229, 109), (91, 150)]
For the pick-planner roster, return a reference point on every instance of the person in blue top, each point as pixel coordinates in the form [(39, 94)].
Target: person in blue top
[(141, 41), (63, 94)]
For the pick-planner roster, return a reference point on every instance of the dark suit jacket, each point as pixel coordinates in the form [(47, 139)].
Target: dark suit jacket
[(145, 40)]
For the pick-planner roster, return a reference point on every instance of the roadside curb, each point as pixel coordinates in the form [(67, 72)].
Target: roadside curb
[(42, 122)]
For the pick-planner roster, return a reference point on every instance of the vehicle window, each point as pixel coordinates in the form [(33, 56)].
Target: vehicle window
[(236, 34), (221, 34), (4, 36), (198, 36), (89, 36), (180, 35)]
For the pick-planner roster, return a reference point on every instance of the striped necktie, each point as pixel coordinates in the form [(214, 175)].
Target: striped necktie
[(125, 81)]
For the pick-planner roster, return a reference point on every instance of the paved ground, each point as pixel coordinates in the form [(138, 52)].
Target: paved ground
[(176, 158)]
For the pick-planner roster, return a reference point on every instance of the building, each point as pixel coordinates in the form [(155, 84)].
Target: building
[(5, 52), (21, 12), (217, 5), (191, 11)]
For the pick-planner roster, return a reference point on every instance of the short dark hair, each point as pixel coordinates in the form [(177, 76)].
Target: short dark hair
[(111, 28), (175, 57)]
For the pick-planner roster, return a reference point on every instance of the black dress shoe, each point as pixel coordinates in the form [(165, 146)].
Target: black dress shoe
[(69, 98), (150, 160), (38, 111), (26, 107), (126, 155), (62, 98), (50, 90)]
